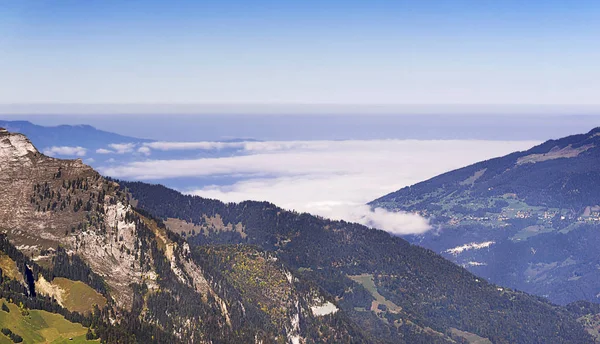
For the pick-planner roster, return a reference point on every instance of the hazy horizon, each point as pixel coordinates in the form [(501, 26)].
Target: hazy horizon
[(199, 109), (218, 127)]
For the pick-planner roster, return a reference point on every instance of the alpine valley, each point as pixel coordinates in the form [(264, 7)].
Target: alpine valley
[(88, 258), (529, 220)]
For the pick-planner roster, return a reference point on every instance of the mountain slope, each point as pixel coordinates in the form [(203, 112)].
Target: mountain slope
[(81, 227), (528, 220), (395, 291), (39, 326)]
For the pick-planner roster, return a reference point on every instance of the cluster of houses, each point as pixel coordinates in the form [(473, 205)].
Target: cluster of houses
[(593, 217), (590, 215), (544, 217)]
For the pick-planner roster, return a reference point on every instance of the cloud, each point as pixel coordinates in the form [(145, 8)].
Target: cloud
[(342, 198), (89, 161), (65, 150), (122, 148), (334, 179), (202, 145), (144, 150), (259, 146), (398, 159), (118, 148), (398, 223)]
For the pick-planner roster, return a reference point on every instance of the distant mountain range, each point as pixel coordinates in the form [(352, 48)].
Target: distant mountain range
[(529, 220), (102, 149), (67, 135)]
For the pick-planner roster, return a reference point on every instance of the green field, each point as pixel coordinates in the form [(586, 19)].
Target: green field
[(9, 267), (366, 280), (40, 327), (471, 338), (591, 322), (78, 296)]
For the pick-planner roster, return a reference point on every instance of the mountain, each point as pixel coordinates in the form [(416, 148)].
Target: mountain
[(137, 263), (394, 291), (105, 150), (67, 135), (73, 244), (96, 147), (529, 220)]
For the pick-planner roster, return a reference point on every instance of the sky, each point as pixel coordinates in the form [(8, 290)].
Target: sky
[(334, 126), (300, 52)]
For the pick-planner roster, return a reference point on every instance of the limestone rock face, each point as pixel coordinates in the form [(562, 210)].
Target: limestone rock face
[(29, 182), (46, 202), (14, 146)]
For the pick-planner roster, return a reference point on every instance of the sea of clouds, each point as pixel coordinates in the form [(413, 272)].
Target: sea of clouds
[(334, 179)]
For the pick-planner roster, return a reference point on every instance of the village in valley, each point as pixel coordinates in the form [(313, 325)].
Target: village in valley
[(532, 219)]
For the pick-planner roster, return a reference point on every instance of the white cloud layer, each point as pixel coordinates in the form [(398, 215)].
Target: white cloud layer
[(335, 197), (65, 150), (202, 145), (122, 148), (329, 178), (104, 151), (144, 150)]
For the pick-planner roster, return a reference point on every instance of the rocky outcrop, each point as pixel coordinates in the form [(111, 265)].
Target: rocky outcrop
[(151, 274), (48, 202)]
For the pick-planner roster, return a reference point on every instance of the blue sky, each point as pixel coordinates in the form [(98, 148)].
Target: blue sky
[(309, 52)]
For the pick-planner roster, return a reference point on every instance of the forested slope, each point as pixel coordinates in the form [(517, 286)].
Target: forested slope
[(431, 295)]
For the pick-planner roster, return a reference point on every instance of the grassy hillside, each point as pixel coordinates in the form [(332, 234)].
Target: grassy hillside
[(78, 296), (366, 280), (40, 326), (75, 296), (9, 267), (271, 295)]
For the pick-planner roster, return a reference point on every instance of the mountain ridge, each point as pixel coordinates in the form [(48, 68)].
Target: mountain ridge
[(252, 272), (63, 212), (69, 135), (537, 209), (426, 293)]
